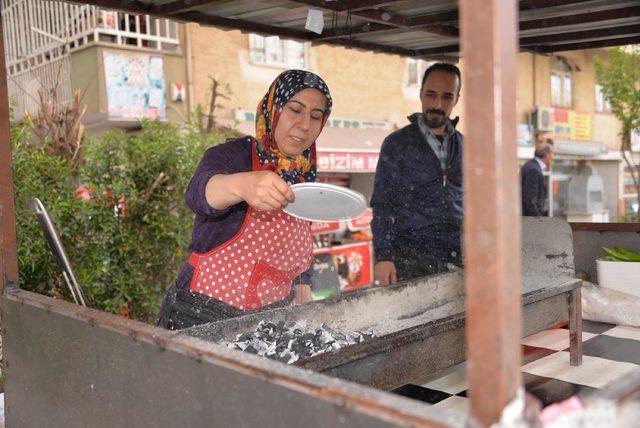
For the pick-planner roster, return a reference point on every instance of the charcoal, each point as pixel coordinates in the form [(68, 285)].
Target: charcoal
[(289, 342)]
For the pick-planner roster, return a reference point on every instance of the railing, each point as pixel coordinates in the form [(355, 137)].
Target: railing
[(23, 88), (39, 35), (39, 31)]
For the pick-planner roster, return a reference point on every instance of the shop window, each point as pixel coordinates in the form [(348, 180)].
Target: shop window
[(277, 52), (561, 83), (415, 70), (602, 105)]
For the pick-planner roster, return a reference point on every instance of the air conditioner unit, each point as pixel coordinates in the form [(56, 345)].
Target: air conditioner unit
[(542, 119)]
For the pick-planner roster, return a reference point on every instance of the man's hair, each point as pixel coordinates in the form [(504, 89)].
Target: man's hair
[(447, 68), (543, 148)]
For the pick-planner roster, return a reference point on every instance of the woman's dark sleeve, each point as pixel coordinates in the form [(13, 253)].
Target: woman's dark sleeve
[(229, 158)]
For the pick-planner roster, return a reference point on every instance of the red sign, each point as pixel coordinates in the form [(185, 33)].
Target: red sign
[(324, 227), (347, 161), (362, 222), (354, 264)]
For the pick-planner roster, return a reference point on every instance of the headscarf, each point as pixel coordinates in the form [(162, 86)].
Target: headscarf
[(302, 168)]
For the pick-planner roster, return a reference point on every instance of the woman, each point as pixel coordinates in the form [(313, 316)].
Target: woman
[(246, 252)]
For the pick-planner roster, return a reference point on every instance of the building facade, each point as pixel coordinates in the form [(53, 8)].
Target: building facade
[(134, 66)]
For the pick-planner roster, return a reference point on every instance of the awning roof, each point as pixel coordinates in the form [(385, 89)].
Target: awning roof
[(417, 28)]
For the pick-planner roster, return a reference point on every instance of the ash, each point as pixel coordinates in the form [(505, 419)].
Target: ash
[(289, 342)]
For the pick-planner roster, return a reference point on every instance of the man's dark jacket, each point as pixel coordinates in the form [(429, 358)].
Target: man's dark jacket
[(534, 189), (417, 206)]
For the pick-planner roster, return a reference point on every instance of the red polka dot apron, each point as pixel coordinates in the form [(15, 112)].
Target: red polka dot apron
[(257, 266)]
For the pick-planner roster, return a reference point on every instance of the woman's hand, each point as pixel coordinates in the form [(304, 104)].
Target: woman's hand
[(265, 190)]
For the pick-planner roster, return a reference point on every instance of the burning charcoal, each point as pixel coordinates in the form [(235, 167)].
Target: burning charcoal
[(250, 349), (353, 337), (288, 341)]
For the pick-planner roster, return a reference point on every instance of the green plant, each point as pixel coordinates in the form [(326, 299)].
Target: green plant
[(620, 81), (618, 254), (120, 214)]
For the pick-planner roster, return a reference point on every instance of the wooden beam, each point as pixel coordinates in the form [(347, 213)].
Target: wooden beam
[(8, 242), (609, 34), (492, 215), (356, 44), (135, 7), (180, 6), (440, 50), (574, 36), (355, 5), (542, 4), (245, 25), (621, 41), (255, 27), (580, 18)]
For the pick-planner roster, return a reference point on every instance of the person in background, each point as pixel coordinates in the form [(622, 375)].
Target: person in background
[(417, 197), (534, 185), (246, 253)]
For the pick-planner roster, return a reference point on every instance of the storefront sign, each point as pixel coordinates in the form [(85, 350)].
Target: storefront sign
[(325, 281), (581, 129), (243, 115), (561, 124), (353, 262), (362, 222), (336, 161), (571, 125), (135, 85), (318, 228)]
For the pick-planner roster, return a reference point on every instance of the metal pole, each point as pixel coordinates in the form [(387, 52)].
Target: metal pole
[(492, 213), (8, 248)]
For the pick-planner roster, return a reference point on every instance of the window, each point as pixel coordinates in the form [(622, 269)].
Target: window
[(561, 83), (415, 70), (274, 51), (602, 105)]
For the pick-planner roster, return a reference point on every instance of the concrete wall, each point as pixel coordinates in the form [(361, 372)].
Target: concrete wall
[(88, 76), (534, 89), (374, 86), (364, 85)]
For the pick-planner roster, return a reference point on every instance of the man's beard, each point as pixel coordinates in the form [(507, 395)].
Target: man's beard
[(437, 120)]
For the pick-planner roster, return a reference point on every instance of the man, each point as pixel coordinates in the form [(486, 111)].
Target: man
[(534, 186), (417, 197)]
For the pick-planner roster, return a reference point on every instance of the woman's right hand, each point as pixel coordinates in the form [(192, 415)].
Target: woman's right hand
[(265, 190)]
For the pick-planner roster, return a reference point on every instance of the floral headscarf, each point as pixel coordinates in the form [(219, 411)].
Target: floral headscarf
[(302, 168)]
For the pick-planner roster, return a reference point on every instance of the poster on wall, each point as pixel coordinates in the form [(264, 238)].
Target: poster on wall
[(353, 262), (135, 85)]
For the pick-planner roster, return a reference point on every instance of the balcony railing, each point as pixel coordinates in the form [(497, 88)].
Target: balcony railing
[(37, 31)]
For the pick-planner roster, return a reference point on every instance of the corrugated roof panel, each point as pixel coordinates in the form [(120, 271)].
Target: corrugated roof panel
[(370, 28)]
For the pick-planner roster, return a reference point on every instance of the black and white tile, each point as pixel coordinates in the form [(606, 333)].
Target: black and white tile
[(610, 352)]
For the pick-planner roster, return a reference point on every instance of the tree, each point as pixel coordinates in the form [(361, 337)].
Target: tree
[(620, 81)]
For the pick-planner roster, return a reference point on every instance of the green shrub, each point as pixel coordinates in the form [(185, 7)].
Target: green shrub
[(127, 242)]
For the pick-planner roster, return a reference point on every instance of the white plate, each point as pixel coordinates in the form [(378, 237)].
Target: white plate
[(325, 202)]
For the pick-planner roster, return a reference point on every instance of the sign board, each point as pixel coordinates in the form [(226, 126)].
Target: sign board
[(353, 262), (325, 281), (336, 161), (318, 228), (178, 92), (571, 125), (362, 222), (244, 115), (525, 135), (135, 85)]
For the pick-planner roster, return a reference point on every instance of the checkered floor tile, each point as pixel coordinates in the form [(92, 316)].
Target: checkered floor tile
[(610, 352)]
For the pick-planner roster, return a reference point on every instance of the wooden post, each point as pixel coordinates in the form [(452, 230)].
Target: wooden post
[(492, 200), (8, 246)]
